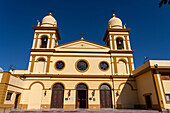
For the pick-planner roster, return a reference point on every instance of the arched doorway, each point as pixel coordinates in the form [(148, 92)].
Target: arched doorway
[(57, 96), (35, 96), (105, 96), (82, 96)]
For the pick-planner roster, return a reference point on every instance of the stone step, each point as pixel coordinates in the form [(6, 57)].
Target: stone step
[(85, 111)]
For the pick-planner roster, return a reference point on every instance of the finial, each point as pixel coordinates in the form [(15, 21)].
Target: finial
[(113, 11), (146, 59), (124, 26), (82, 34), (114, 15), (38, 23), (51, 12)]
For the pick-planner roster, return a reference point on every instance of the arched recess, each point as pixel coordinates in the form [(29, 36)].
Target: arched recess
[(122, 67), (44, 41), (126, 96), (40, 65), (57, 97), (127, 84), (35, 96), (37, 82), (119, 43), (105, 96), (81, 96)]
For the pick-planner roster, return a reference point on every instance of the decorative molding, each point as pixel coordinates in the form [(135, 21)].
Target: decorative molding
[(48, 28), (59, 69), (114, 30), (88, 65), (105, 62)]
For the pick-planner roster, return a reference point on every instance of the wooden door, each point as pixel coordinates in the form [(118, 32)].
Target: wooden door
[(57, 97), (81, 99), (81, 96), (148, 102), (105, 97), (16, 100)]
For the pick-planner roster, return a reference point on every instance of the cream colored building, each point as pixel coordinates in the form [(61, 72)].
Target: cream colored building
[(84, 74)]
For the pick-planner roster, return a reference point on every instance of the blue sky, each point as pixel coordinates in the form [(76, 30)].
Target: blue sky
[(149, 25)]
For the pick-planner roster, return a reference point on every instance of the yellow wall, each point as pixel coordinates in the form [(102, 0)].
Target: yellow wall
[(145, 85), (92, 84)]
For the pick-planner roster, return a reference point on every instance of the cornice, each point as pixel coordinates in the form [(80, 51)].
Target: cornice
[(114, 30), (48, 28), (121, 51), (42, 50), (72, 76)]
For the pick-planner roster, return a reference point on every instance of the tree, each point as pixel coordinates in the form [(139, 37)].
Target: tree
[(164, 2)]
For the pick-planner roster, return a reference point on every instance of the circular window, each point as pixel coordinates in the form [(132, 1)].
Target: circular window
[(60, 65), (82, 65), (104, 66)]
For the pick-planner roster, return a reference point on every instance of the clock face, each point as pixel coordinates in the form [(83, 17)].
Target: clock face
[(60, 65), (82, 65), (104, 66)]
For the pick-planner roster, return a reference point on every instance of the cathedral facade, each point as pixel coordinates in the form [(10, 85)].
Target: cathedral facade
[(85, 74)]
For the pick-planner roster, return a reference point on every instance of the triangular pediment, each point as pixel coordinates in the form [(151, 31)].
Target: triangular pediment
[(82, 44)]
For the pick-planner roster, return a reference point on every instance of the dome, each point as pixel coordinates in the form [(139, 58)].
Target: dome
[(115, 23), (49, 21)]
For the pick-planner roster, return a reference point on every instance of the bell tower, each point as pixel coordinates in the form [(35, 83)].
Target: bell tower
[(46, 37), (117, 38)]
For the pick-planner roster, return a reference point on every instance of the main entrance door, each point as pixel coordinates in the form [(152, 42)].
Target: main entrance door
[(105, 96), (82, 96), (57, 96)]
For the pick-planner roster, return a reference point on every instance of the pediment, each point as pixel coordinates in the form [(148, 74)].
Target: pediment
[(82, 44)]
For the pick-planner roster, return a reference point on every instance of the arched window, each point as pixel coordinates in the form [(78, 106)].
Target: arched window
[(122, 67), (44, 40), (119, 42)]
